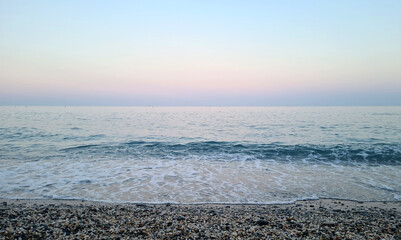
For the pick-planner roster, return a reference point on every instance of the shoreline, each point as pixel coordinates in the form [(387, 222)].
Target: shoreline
[(330, 202), (306, 219)]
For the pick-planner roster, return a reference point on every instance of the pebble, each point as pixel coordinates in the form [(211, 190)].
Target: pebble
[(172, 221), (262, 222)]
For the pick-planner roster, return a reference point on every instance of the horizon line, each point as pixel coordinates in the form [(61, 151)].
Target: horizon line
[(22, 105)]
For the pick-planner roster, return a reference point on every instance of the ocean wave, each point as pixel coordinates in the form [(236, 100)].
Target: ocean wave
[(80, 147), (232, 151)]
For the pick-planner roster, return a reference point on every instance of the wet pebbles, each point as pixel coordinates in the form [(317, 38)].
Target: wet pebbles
[(322, 219)]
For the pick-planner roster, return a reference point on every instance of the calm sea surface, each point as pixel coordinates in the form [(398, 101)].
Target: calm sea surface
[(200, 154)]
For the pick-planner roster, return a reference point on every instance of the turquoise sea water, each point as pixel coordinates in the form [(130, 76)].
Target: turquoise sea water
[(201, 154)]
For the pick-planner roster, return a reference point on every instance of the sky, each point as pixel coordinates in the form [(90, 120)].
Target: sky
[(220, 52)]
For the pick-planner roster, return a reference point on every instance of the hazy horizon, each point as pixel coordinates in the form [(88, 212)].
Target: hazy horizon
[(189, 53)]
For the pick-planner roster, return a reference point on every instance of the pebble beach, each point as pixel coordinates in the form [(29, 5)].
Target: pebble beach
[(311, 219)]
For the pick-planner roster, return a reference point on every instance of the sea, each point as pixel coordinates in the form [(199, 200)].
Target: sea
[(244, 155)]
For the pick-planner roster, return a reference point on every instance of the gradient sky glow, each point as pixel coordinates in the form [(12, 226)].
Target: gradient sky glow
[(200, 52)]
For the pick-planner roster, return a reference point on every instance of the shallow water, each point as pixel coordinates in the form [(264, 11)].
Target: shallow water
[(201, 154)]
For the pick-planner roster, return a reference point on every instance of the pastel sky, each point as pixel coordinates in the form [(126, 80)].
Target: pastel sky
[(220, 52)]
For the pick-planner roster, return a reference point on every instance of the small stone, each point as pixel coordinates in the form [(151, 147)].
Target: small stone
[(290, 219), (67, 231), (329, 224), (262, 222), (42, 225), (180, 218)]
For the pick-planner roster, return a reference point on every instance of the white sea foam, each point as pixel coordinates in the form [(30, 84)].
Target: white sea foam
[(196, 180)]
